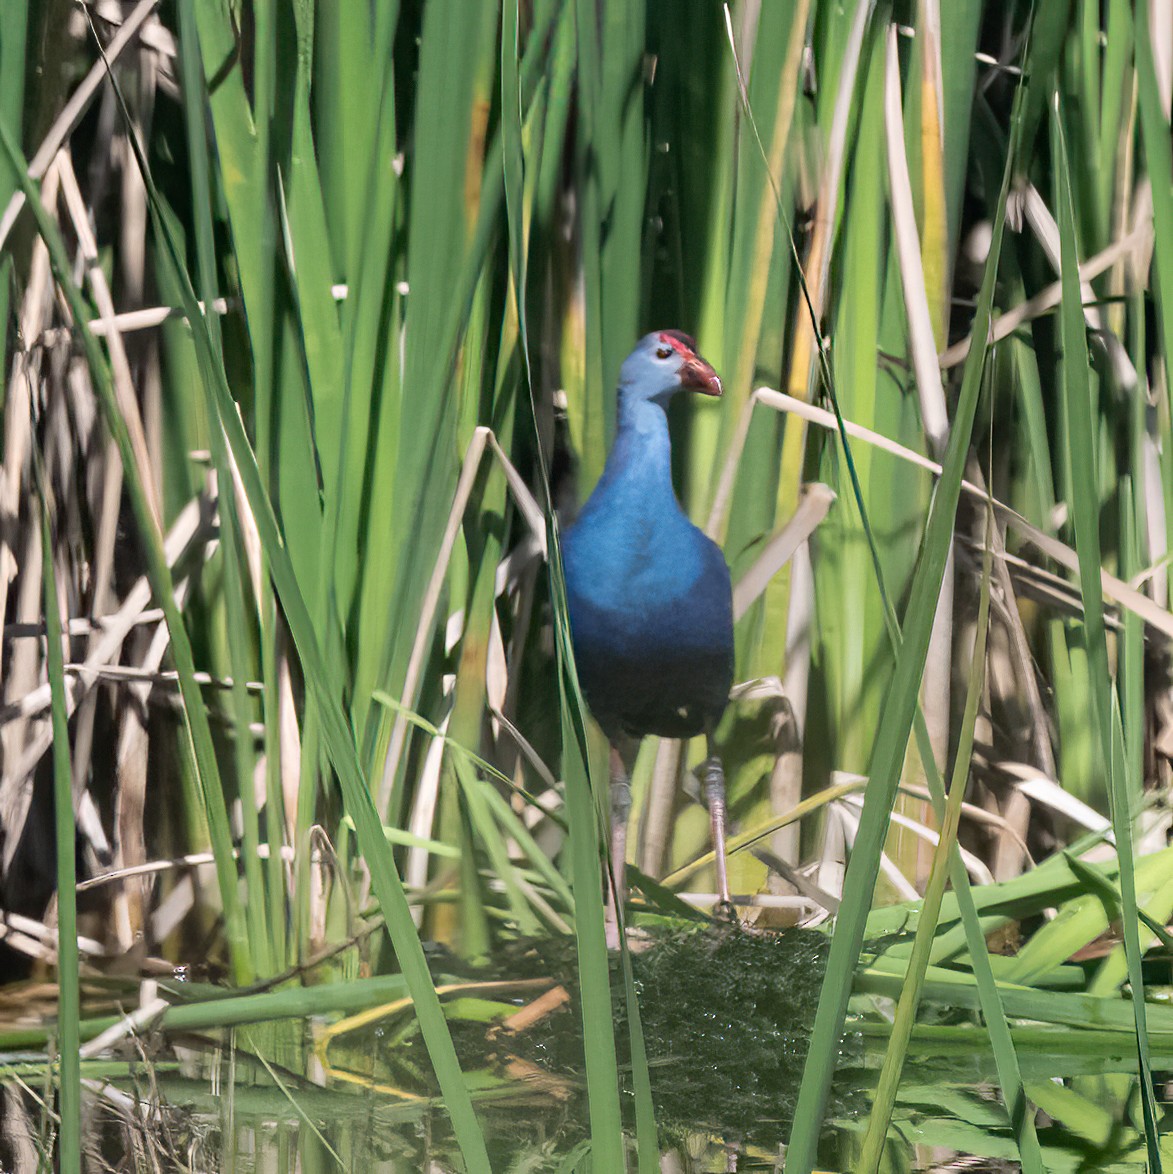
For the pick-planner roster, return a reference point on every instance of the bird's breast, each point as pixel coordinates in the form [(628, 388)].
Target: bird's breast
[(648, 586), (633, 570)]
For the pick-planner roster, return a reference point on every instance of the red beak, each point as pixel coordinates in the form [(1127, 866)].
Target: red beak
[(697, 375)]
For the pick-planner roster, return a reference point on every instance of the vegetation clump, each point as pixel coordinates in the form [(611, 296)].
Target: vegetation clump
[(726, 1016), (725, 1013)]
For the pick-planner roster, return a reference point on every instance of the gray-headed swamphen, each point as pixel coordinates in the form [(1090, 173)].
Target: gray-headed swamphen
[(651, 609)]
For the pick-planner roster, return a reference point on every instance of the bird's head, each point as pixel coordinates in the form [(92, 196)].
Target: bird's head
[(663, 363)]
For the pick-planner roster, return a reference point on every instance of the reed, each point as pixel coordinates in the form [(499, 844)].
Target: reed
[(297, 610)]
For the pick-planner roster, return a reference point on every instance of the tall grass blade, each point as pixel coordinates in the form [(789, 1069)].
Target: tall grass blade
[(14, 16), (1085, 508), (68, 991), (895, 723), (1158, 148), (587, 877), (582, 811), (906, 1011), (240, 638)]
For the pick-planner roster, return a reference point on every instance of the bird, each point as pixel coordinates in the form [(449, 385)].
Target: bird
[(649, 596)]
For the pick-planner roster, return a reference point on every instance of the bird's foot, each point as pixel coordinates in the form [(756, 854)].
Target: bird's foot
[(620, 800), (617, 881), (713, 780), (725, 913)]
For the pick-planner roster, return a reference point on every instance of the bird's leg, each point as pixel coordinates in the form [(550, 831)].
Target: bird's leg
[(713, 781), (620, 808)]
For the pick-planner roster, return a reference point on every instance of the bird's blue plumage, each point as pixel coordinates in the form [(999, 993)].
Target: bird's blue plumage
[(651, 610)]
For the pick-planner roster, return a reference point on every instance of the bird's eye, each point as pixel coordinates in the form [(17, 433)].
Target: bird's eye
[(663, 352)]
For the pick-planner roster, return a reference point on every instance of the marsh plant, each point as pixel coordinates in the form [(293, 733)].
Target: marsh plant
[(313, 318)]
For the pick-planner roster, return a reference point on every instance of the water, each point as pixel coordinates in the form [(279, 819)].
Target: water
[(725, 1018)]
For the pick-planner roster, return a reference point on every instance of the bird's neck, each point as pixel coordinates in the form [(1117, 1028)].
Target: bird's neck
[(642, 448)]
